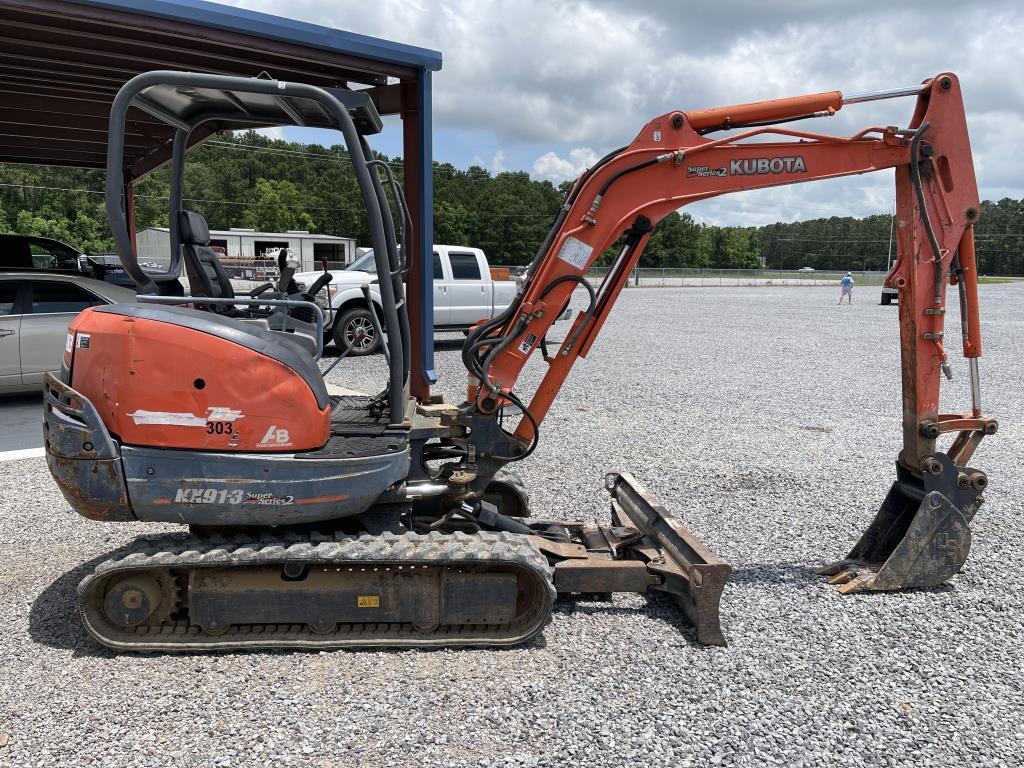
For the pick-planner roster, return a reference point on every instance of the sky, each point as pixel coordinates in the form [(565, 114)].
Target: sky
[(548, 87)]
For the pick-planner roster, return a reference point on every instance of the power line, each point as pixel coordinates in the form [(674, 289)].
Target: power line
[(829, 240), (802, 207), (249, 204), (342, 158)]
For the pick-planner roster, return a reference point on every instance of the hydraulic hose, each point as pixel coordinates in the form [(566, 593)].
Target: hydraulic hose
[(511, 397), (480, 337), (915, 175), (567, 204), (590, 309), (616, 176), (473, 340), (506, 341), (474, 336)]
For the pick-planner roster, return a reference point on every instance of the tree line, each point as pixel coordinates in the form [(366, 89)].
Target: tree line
[(250, 180)]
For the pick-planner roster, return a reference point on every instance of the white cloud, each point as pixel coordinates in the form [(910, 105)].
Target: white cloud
[(555, 169), (275, 132), (498, 163), (591, 73)]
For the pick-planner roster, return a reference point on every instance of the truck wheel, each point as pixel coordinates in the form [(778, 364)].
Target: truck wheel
[(886, 298), (354, 330)]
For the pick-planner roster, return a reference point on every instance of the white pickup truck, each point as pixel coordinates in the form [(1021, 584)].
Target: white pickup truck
[(464, 294)]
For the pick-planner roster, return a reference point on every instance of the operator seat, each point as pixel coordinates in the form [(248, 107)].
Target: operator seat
[(195, 241)]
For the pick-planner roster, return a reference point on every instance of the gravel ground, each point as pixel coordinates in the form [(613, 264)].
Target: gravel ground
[(768, 419)]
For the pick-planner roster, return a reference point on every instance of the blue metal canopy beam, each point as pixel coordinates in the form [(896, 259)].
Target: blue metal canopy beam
[(263, 25)]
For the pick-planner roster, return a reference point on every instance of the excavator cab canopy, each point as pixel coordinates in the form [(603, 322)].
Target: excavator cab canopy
[(237, 107), (186, 102)]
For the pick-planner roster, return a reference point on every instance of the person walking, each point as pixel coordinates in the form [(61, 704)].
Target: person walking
[(847, 285)]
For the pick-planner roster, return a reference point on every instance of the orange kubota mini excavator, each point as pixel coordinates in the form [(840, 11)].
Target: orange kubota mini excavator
[(319, 521)]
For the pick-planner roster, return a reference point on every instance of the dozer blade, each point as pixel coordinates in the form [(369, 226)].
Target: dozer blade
[(690, 572), (921, 535)]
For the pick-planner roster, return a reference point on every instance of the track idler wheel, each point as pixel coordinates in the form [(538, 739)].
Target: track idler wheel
[(920, 537), (132, 600)]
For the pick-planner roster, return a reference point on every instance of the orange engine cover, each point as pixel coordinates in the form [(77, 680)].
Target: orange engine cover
[(159, 384)]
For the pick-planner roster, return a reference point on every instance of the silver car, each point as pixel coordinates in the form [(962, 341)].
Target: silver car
[(35, 310)]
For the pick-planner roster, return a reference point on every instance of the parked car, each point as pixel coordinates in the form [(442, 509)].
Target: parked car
[(35, 309), (464, 294), (806, 269), (28, 252)]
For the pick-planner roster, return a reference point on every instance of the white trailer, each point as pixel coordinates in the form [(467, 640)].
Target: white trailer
[(242, 247)]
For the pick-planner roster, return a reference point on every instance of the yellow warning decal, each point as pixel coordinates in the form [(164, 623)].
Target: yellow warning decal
[(368, 601)]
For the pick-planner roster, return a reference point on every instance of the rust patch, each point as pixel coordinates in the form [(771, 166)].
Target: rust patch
[(94, 488)]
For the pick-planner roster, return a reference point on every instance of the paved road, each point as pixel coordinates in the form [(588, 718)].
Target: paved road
[(22, 429)]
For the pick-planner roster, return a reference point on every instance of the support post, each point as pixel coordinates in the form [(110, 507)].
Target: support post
[(418, 173)]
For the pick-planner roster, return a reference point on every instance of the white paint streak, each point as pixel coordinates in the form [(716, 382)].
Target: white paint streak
[(170, 419), (222, 413)]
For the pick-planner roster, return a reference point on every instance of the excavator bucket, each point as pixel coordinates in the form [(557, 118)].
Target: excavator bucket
[(921, 535)]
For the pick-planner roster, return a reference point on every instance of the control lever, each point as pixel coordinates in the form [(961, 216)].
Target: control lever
[(317, 286), (259, 290)]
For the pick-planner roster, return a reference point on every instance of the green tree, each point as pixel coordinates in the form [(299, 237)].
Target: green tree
[(247, 179), (276, 206)]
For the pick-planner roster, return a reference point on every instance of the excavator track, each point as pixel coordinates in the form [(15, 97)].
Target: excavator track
[(182, 593)]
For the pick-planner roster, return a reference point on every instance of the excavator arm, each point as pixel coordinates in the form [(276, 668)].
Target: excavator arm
[(920, 537)]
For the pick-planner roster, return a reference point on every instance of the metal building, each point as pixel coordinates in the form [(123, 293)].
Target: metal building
[(245, 248)]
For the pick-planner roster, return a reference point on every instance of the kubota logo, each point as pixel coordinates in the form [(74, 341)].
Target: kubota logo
[(767, 165), (277, 438)]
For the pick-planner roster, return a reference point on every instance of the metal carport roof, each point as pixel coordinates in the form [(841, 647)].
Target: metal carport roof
[(62, 62)]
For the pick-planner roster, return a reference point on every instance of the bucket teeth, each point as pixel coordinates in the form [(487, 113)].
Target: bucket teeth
[(849, 576), (842, 577), (854, 585), (832, 569)]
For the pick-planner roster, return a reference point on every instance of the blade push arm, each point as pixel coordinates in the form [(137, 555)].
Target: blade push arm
[(670, 164)]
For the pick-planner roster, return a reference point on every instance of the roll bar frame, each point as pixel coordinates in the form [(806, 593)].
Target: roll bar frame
[(387, 261)]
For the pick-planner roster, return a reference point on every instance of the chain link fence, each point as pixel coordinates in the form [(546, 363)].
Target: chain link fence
[(677, 278)]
